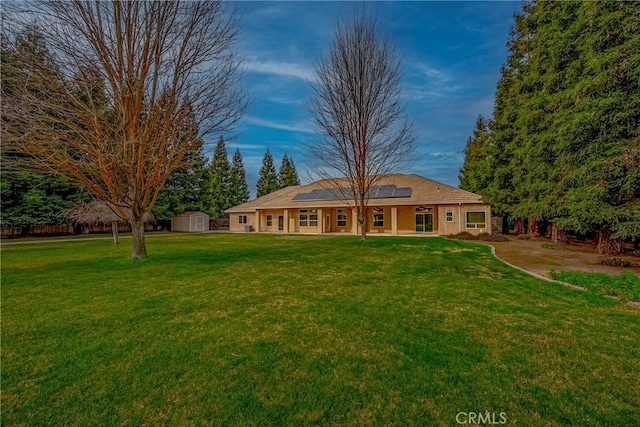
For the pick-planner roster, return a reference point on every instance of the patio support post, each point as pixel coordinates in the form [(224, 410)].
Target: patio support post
[(286, 221), (354, 222), (394, 220)]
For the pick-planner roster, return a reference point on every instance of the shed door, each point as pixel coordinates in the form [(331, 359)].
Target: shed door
[(199, 223)]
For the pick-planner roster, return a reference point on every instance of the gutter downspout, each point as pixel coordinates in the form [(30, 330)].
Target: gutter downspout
[(459, 217)]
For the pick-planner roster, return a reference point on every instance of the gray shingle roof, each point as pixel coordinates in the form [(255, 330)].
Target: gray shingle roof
[(424, 191)]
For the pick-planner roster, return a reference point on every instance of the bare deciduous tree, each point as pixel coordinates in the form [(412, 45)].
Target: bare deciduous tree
[(356, 107), (140, 83)]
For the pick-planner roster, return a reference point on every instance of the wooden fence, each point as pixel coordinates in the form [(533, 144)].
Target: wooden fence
[(219, 224), (65, 229)]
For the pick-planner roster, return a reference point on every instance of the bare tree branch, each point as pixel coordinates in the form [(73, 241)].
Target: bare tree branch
[(356, 107), (138, 84)]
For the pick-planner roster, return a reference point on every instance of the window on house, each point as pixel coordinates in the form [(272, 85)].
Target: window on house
[(242, 219), (342, 218), (378, 219), (476, 220), (269, 220), (313, 218), (448, 216), (308, 218)]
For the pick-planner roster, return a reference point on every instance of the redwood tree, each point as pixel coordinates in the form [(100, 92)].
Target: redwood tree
[(132, 75)]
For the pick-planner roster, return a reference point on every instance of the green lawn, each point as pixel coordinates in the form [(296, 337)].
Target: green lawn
[(293, 330)]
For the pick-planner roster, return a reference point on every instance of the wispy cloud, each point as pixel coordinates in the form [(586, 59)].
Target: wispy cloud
[(428, 82), (242, 146), (433, 73), (280, 68), (299, 126)]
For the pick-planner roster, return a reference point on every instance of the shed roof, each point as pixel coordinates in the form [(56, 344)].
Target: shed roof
[(191, 213)]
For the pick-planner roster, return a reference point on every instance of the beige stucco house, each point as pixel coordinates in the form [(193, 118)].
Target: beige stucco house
[(398, 204)]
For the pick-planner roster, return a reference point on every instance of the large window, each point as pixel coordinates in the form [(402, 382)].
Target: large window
[(269, 220), (378, 219), (308, 218), (448, 216), (476, 220), (342, 218), (242, 219)]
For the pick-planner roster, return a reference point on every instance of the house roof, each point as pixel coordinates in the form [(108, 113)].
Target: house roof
[(424, 191)]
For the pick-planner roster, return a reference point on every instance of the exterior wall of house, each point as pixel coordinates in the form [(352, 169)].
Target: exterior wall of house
[(386, 220), (264, 220), (236, 226), (327, 220), (476, 208), (407, 218), (445, 224), (334, 227), (459, 223), (312, 226)]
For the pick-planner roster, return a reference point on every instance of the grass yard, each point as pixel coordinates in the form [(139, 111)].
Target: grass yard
[(293, 330)]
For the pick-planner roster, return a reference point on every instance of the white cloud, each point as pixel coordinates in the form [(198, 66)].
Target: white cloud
[(300, 126), (428, 83), (242, 146), (280, 68)]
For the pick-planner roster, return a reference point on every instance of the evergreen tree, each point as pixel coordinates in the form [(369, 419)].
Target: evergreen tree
[(187, 188), (474, 173), (287, 175), (564, 138), (238, 188), (268, 180), (30, 199), (221, 181)]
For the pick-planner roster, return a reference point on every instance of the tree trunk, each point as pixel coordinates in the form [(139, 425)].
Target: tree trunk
[(505, 224), (363, 229), (557, 234), (114, 231), (607, 245), (137, 231), (534, 231), (519, 226)]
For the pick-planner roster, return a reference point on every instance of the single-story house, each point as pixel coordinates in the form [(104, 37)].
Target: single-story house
[(190, 221), (398, 204)]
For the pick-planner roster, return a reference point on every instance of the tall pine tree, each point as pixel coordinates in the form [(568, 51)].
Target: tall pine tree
[(474, 173), (566, 128), (238, 188), (187, 188), (30, 199), (268, 180), (287, 175), (220, 181)]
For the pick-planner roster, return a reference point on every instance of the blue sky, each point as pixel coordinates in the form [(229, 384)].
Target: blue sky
[(451, 54)]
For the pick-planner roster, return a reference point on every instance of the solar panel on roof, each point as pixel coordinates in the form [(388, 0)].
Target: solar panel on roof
[(385, 191), (402, 192), (377, 192), (301, 196)]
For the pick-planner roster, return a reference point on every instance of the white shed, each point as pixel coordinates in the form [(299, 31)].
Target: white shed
[(190, 221)]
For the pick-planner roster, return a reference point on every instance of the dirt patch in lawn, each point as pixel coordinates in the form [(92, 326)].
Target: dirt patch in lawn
[(532, 256)]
